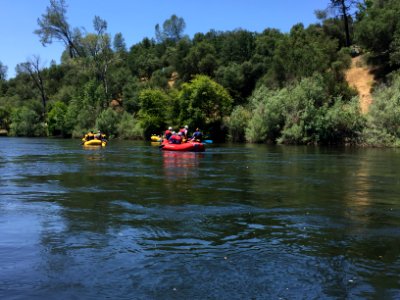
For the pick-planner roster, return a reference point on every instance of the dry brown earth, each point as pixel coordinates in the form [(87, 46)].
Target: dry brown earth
[(361, 78)]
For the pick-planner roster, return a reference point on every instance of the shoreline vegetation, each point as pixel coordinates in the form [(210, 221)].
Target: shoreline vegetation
[(303, 87)]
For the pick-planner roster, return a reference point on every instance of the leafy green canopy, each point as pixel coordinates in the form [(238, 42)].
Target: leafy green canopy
[(378, 29), (203, 102), (303, 114)]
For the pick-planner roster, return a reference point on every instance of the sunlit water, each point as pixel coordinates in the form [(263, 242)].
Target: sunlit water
[(235, 222)]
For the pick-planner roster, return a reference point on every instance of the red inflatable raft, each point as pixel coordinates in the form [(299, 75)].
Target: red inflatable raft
[(188, 146)]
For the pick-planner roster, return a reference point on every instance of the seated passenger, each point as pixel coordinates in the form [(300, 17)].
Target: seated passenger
[(168, 133), (197, 136), (98, 135), (184, 132), (88, 136), (175, 138)]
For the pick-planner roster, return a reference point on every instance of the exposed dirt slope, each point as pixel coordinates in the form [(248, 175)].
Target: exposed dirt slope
[(361, 78)]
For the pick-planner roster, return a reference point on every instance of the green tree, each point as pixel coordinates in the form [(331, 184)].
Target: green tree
[(56, 118), (98, 51), (267, 115), (3, 72), (143, 59), (237, 46), (302, 53), (203, 102), (378, 29), (26, 122), (5, 117), (129, 127), (384, 115), (153, 102), (119, 44), (201, 59), (172, 29), (107, 122), (54, 26), (35, 71), (237, 123), (344, 9)]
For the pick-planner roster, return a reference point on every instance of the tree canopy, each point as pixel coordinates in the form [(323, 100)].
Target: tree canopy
[(248, 86)]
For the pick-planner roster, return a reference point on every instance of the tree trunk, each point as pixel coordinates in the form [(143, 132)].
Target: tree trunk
[(346, 22)]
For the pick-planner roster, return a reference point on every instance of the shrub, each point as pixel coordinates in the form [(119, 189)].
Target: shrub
[(342, 123), (383, 127), (56, 118), (26, 122), (128, 127), (237, 123), (107, 122), (203, 102), (303, 114)]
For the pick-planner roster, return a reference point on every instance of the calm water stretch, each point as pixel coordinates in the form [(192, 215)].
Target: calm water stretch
[(236, 222)]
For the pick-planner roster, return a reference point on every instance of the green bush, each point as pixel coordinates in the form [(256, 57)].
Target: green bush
[(128, 127), (153, 102), (342, 123), (107, 122), (150, 124), (237, 123), (56, 118), (26, 122), (303, 114), (267, 118), (203, 102), (383, 127)]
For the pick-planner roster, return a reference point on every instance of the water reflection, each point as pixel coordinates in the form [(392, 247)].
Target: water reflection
[(178, 165), (237, 222)]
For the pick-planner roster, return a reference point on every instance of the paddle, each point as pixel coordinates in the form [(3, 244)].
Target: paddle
[(207, 141)]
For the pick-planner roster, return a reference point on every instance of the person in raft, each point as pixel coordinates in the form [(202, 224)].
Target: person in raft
[(89, 136), (100, 136), (176, 138), (184, 132), (168, 133), (197, 136)]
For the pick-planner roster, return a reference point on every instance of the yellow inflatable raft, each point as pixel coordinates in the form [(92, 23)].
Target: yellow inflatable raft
[(156, 138), (94, 142)]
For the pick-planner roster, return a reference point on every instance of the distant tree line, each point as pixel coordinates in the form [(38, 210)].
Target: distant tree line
[(267, 87)]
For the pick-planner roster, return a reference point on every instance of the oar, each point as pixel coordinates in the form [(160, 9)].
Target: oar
[(207, 141)]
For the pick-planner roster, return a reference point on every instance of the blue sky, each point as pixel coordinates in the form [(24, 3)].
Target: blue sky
[(136, 19)]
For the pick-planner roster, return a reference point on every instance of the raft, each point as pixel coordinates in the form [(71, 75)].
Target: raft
[(95, 142), (156, 138), (188, 146)]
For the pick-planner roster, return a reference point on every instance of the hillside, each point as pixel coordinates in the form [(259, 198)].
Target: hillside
[(361, 78)]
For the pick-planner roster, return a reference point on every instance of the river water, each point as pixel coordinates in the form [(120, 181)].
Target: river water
[(235, 222)]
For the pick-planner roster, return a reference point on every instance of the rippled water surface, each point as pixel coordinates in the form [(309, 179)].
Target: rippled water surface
[(236, 222)]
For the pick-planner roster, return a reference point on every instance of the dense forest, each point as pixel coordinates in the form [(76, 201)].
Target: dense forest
[(242, 86)]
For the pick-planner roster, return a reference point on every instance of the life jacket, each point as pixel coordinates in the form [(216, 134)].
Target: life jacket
[(184, 132), (175, 139), (197, 136), (167, 134)]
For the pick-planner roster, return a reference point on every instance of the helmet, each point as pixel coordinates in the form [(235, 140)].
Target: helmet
[(186, 126), (170, 128), (173, 132), (179, 133)]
